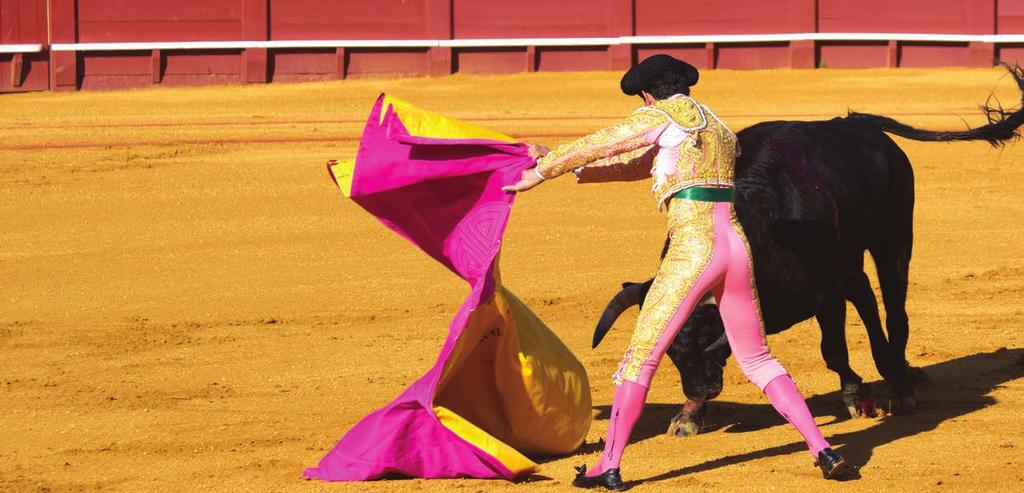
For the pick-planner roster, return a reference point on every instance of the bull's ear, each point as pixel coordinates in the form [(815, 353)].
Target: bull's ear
[(627, 284)]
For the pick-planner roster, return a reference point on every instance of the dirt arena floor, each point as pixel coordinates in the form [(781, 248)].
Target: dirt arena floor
[(187, 303)]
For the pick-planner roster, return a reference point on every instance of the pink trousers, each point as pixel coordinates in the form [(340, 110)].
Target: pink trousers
[(707, 252)]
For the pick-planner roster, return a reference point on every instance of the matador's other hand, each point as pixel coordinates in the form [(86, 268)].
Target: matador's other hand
[(537, 151), (527, 180)]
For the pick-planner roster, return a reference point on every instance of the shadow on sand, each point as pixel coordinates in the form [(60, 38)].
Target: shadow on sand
[(956, 387)]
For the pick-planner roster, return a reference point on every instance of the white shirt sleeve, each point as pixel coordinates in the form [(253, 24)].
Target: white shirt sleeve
[(673, 136)]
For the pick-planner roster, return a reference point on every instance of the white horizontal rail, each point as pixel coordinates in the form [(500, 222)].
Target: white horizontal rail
[(240, 45), (21, 48), (768, 38), (481, 43), (519, 42), (147, 46), (354, 43), (937, 38)]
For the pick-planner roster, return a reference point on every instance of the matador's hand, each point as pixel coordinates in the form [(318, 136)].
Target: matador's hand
[(537, 151), (527, 180)]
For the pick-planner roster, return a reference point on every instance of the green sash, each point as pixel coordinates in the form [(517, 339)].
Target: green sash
[(707, 194)]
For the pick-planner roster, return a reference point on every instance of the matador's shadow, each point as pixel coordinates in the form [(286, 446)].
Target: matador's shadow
[(956, 387)]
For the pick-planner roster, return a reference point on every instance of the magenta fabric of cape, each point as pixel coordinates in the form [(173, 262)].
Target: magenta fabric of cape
[(445, 197)]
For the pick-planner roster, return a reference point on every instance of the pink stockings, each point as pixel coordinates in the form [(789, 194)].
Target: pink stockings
[(629, 400), (707, 252), (788, 402), (627, 404)]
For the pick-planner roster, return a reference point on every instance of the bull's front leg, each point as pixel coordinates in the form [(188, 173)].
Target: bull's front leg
[(690, 418), (700, 374)]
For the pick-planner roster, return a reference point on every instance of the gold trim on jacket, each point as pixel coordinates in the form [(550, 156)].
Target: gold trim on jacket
[(706, 157)]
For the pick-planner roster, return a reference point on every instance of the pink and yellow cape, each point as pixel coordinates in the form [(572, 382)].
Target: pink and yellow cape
[(504, 387)]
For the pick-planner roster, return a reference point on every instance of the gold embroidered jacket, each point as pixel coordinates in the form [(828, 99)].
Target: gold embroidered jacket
[(685, 142)]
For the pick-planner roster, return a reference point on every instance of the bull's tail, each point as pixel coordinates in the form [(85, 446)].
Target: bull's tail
[(1003, 125)]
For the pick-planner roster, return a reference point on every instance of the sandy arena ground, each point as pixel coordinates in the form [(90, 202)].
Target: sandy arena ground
[(189, 304)]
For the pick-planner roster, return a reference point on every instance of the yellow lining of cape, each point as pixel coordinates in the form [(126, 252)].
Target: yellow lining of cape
[(515, 462), (342, 171), (422, 123)]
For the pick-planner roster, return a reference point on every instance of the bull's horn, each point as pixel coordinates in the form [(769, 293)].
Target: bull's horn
[(718, 344), (630, 295)]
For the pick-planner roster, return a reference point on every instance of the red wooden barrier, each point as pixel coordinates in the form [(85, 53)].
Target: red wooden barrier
[(106, 21), (932, 17), (358, 19), (128, 21), (23, 22), (63, 65), (1010, 20), (255, 26)]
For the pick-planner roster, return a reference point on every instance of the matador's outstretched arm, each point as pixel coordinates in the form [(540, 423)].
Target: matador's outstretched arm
[(640, 130)]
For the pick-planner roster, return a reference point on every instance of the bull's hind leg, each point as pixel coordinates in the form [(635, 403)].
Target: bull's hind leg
[(893, 269), (858, 291), (892, 260)]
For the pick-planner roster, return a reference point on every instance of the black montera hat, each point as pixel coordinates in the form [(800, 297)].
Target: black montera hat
[(639, 76)]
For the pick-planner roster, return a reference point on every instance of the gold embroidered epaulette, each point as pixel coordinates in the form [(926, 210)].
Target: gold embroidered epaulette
[(684, 111)]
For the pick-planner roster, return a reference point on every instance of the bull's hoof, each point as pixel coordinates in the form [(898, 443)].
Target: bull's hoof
[(902, 404), (680, 427), (901, 397), (689, 420), (860, 403)]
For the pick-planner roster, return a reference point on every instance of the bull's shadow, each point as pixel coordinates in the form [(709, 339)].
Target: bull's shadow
[(956, 387)]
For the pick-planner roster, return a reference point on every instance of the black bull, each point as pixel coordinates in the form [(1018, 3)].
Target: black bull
[(812, 198)]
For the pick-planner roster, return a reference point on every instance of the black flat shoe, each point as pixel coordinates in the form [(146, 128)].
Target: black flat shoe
[(609, 480), (831, 463)]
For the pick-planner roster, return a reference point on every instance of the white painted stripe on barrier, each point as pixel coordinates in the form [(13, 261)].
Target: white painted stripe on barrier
[(355, 43), (482, 43), (769, 38), (932, 38), (520, 42), (239, 45), (148, 46), (713, 38), (1006, 38), (21, 48), (935, 38)]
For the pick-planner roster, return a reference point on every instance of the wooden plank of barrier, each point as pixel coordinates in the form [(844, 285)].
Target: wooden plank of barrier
[(17, 69), (63, 65), (255, 27), (620, 14), (982, 54), (802, 54), (341, 55), (157, 65), (439, 25), (254, 66)]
